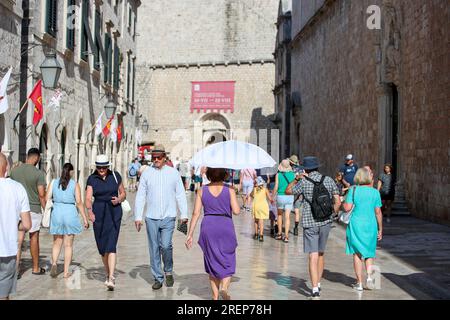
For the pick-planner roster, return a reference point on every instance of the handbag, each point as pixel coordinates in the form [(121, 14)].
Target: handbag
[(126, 207), (182, 227), (345, 216), (48, 210)]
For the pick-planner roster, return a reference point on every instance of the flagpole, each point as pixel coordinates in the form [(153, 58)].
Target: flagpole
[(18, 114), (96, 121), (23, 107)]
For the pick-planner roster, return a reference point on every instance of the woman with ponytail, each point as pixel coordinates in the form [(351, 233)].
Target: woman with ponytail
[(64, 221)]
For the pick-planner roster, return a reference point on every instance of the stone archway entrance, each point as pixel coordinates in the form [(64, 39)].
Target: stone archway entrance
[(215, 128)]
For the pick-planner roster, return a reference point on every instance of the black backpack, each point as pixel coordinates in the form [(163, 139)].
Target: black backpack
[(322, 201)]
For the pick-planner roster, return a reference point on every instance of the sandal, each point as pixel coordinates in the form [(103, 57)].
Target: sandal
[(286, 240), (67, 275), (225, 295), (40, 272), (279, 237)]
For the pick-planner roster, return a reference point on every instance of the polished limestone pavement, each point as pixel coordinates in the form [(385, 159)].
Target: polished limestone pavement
[(268, 270)]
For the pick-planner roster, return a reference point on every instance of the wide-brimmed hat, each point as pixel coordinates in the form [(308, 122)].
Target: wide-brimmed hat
[(159, 148), (310, 163), (260, 181), (102, 160), (293, 159), (284, 166)]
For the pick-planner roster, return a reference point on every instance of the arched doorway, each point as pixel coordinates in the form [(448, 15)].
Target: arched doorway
[(43, 147), (215, 128)]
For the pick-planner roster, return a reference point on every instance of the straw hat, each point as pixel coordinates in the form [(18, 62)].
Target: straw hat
[(285, 166), (159, 148), (102, 160), (293, 159)]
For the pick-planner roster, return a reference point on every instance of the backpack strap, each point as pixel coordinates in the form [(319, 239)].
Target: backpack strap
[(316, 183), (282, 173)]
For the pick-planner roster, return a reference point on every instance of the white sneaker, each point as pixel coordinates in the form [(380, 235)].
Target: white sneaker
[(358, 287), (370, 283), (111, 284)]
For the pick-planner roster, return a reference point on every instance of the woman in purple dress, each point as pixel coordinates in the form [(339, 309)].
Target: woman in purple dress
[(217, 236)]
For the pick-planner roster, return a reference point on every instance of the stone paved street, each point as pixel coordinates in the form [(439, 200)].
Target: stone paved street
[(414, 265)]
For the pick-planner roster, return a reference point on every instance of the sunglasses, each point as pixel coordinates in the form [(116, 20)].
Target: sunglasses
[(102, 168), (157, 157)]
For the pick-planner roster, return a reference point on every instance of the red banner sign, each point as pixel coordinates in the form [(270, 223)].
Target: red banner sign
[(212, 95)]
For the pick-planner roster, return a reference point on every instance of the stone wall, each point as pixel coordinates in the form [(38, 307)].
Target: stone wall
[(341, 69), (167, 101), (204, 30)]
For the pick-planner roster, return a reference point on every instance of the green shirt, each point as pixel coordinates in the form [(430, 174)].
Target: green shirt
[(283, 183), (30, 177)]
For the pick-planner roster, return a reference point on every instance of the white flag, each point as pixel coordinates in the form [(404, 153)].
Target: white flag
[(98, 125), (55, 100), (113, 132), (3, 94)]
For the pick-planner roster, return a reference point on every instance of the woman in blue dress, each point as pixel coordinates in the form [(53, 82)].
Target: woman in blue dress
[(65, 223), (106, 212), (365, 226)]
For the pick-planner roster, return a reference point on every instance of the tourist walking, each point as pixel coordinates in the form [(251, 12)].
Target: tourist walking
[(133, 170), (365, 226), (387, 191), (316, 219), (217, 235), (260, 208), (247, 181), (33, 180), (285, 202), (295, 164), (14, 218), (185, 172), (106, 213), (65, 223), (349, 169), (162, 190)]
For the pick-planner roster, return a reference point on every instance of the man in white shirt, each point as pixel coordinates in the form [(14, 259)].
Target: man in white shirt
[(162, 189), (14, 216)]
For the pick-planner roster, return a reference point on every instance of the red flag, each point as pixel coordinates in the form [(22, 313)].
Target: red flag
[(119, 131), (36, 97), (107, 128)]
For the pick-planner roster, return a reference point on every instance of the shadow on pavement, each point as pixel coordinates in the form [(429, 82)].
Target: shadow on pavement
[(338, 277), (296, 284), (144, 272), (98, 273), (411, 282)]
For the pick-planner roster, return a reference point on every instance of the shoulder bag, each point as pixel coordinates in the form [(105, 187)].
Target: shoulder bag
[(126, 208), (48, 209), (345, 216)]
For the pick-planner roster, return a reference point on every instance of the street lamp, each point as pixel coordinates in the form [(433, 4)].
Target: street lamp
[(145, 126), (110, 109), (51, 70)]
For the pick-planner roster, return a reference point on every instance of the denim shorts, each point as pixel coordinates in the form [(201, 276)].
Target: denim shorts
[(247, 187), (285, 202)]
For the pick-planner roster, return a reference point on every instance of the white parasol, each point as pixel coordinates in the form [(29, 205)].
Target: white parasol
[(233, 154)]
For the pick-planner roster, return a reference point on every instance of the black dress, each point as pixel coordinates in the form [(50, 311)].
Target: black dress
[(108, 217)]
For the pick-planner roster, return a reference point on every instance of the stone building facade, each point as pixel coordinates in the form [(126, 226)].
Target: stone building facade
[(201, 40), (95, 43), (282, 90), (380, 94)]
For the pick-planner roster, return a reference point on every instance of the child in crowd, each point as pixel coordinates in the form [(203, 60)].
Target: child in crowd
[(260, 210)]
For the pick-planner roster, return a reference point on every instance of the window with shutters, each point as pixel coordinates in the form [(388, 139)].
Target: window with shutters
[(107, 75), (116, 66), (134, 78), (97, 40), (84, 30), (51, 19), (130, 19), (129, 78), (70, 37)]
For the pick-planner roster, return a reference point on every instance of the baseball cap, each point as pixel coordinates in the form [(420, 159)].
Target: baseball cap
[(349, 157)]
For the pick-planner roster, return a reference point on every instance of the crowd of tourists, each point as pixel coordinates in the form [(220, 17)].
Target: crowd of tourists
[(295, 187)]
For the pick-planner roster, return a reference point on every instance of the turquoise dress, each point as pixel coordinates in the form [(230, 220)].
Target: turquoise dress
[(362, 230), (64, 218)]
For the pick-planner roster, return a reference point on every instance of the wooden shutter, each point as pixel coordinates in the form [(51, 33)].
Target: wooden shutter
[(97, 40), (129, 77), (70, 39), (107, 63), (51, 23), (116, 66), (84, 36)]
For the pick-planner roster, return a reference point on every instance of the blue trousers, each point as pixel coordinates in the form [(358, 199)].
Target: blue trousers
[(160, 234)]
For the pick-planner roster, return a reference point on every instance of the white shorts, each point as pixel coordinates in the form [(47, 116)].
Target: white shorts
[(36, 219)]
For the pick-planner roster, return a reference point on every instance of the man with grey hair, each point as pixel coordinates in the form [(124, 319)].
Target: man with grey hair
[(14, 216)]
